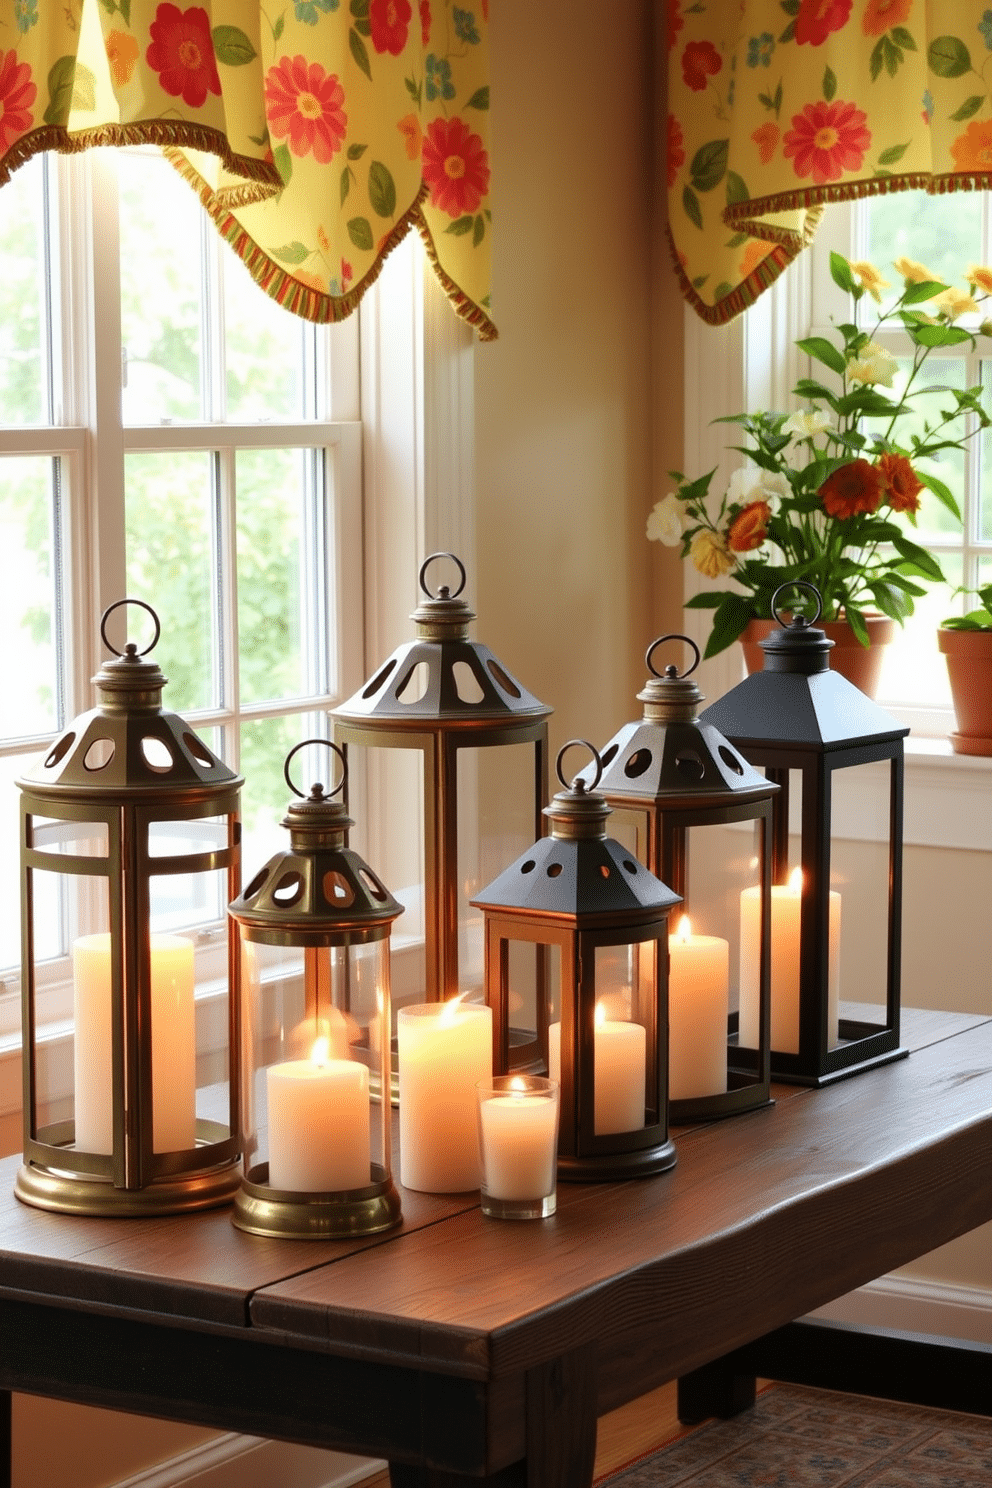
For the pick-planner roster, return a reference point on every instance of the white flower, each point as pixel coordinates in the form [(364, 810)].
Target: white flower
[(807, 423), (749, 484), (874, 365), (665, 521)]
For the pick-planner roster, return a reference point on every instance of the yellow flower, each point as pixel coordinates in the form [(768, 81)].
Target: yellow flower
[(980, 277), (709, 552), (871, 279), (874, 365), (954, 302), (913, 272)]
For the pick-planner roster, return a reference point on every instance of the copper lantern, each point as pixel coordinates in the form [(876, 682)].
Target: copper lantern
[(130, 840), (836, 901), (602, 919), (700, 817)]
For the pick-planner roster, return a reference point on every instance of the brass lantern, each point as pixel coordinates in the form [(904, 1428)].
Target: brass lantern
[(444, 702), (602, 918), (837, 758), (700, 818), (130, 834), (315, 925)]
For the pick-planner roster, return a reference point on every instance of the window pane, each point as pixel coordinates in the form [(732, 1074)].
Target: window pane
[(912, 224), (271, 529), (265, 743), (985, 488), (160, 226), (27, 601), (170, 565), (264, 350), (913, 670), (934, 521), (23, 363)]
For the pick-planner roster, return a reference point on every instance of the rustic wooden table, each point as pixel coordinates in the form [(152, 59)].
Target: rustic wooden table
[(462, 1348)]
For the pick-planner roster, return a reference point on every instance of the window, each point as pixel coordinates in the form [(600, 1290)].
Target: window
[(167, 432)]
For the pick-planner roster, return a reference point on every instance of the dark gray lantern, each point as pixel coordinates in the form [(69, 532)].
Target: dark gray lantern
[(131, 825), (831, 749), (315, 924), (602, 918), (700, 818), (482, 743)]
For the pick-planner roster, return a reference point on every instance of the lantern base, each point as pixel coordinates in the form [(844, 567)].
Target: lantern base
[(70, 1193), (818, 1079), (262, 1210), (606, 1167)]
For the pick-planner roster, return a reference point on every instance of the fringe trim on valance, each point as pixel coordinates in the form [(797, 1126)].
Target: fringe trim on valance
[(745, 216), (260, 178), (466, 308), (743, 295)]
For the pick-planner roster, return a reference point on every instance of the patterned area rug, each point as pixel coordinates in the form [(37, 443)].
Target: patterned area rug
[(800, 1438)]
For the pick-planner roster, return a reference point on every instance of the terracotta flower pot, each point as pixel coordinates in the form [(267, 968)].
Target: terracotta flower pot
[(861, 665), (968, 654)]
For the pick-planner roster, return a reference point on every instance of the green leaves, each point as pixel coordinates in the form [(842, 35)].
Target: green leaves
[(382, 190), (969, 108), (949, 57), (822, 350), (232, 47), (291, 253), (916, 294), (360, 233), (60, 81), (709, 164), (690, 204)]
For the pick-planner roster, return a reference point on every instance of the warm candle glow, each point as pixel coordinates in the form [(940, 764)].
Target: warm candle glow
[(319, 1052), (684, 931), (450, 1011), (518, 1086), (600, 1018), (795, 884)]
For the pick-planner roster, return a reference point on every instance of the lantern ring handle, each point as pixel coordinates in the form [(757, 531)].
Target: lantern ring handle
[(672, 636), (423, 569), (328, 744), (797, 584), (587, 785), (116, 606)]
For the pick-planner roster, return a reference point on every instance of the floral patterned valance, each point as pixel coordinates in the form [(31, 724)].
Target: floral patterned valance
[(316, 132), (779, 106)]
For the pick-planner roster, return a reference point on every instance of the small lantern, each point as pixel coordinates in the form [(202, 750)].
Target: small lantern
[(315, 925), (700, 818), (130, 835), (482, 743), (603, 919), (838, 759)]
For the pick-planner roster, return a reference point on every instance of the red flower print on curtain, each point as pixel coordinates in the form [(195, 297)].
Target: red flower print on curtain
[(17, 94), (305, 102), (700, 61), (827, 139), (182, 53), (389, 21), (881, 15), (455, 167), (817, 18)]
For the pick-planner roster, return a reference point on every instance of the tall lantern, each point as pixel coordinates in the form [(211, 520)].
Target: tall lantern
[(701, 819), (602, 918), (315, 925), (130, 833), (836, 901), (445, 702)]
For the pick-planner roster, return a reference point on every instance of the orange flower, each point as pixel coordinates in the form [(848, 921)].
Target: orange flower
[(766, 138), (982, 278), (122, 53), (409, 127), (901, 484), (881, 15), (749, 528), (855, 487), (973, 149)]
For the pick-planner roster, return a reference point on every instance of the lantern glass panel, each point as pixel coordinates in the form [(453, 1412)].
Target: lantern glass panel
[(625, 1092), (859, 875), (395, 778)]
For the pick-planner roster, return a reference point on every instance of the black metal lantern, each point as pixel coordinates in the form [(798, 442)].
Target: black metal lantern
[(700, 818), (602, 918), (130, 836), (831, 749), (481, 740), (315, 925)]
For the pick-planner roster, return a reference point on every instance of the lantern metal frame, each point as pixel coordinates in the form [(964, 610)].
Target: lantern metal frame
[(127, 794), (338, 902), (578, 890), (439, 725), (670, 772), (798, 715)]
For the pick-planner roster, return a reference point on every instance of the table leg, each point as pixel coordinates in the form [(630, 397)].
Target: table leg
[(717, 1389), (6, 1441)]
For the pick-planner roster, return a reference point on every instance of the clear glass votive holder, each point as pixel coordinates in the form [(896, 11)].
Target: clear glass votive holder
[(518, 1139)]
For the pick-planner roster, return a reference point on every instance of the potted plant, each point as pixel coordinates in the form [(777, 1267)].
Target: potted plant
[(966, 642), (825, 492)]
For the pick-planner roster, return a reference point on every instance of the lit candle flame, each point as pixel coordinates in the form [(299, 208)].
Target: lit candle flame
[(320, 1050), (518, 1085), (796, 881), (684, 931), (450, 1011), (600, 1014)]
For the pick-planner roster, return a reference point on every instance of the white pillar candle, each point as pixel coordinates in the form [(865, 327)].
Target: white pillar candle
[(698, 1001), (318, 1124), (173, 1036), (445, 1049), (519, 1145), (619, 1072), (786, 910)]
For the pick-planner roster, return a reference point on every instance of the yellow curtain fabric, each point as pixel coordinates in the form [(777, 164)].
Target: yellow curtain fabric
[(779, 106), (316, 132)]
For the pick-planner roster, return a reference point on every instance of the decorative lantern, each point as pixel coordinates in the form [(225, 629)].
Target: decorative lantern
[(130, 835), (482, 742), (701, 818), (315, 926), (603, 919), (838, 759)]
